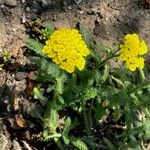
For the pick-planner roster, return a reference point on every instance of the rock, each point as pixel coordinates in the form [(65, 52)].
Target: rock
[(3, 76), (20, 76), (28, 9), (16, 145), (2, 30), (1, 2), (45, 3), (4, 142), (20, 85), (77, 1), (10, 3)]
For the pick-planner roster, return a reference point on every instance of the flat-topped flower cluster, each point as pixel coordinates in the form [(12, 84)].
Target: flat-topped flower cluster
[(132, 51), (66, 48)]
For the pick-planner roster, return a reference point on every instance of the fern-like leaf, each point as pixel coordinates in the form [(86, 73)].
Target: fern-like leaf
[(89, 93), (60, 83), (67, 126), (48, 68), (39, 96), (85, 34), (48, 31), (79, 144), (109, 144), (35, 46)]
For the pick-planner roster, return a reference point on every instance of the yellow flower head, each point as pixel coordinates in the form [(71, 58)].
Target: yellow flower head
[(67, 49), (131, 51)]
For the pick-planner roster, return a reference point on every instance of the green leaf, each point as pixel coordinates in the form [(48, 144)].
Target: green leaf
[(51, 119), (105, 73), (85, 33), (67, 126), (66, 139), (121, 98), (52, 69), (35, 46), (48, 31), (39, 96), (109, 144), (104, 48), (117, 113), (89, 93), (61, 100), (35, 60), (146, 125), (129, 115), (79, 144), (119, 82), (60, 83), (100, 111), (48, 69)]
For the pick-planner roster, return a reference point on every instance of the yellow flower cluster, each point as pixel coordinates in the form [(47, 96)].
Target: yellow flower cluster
[(67, 49), (131, 52)]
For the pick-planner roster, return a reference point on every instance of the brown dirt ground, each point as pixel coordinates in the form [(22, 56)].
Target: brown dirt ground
[(108, 21)]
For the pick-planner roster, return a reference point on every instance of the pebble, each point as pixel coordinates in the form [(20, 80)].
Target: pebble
[(77, 1), (10, 3), (81, 12), (20, 76), (28, 9), (1, 2), (23, 1), (3, 37), (3, 79), (46, 3), (23, 18)]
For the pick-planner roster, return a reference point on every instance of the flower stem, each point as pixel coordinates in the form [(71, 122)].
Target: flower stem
[(109, 57), (86, 122)]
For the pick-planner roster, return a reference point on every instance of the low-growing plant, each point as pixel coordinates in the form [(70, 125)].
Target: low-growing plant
[(83, 99), (5, 58)]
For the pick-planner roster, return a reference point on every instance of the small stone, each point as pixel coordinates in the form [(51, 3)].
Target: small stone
[(20, 85), (46, 3), (77, 1), (69, 7), (20, 76), (16, 145), (81, 12), (3, 38), (1, 2), (3, 79), (28, 9), (10, 3), (23, 1), (4, 142), (23, 18)]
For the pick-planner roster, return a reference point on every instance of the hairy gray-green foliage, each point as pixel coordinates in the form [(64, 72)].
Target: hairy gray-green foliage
[(35, 46), (47, 70), (47, 31), (96, 91), (79, 144)]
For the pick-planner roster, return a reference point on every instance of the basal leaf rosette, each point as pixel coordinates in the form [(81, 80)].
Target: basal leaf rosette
[(132, 50), (67, 49)]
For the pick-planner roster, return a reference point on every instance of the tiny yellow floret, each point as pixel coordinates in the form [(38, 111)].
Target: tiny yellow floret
[(132, 50), (67, 49)]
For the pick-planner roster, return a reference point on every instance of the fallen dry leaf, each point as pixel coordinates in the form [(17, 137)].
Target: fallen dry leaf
[(20, 121)]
